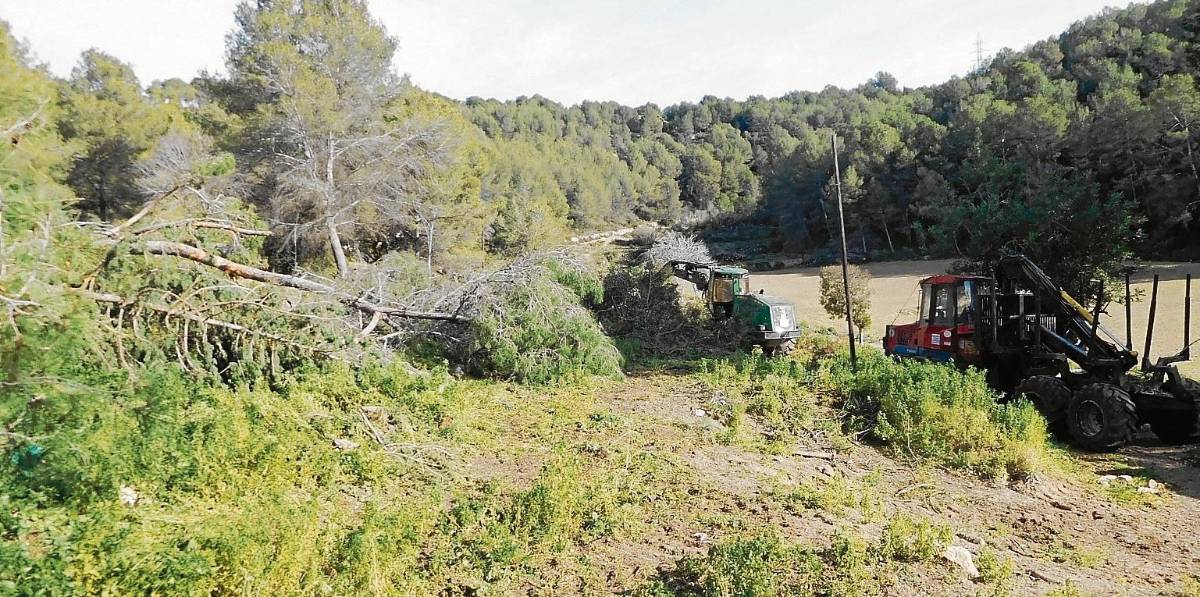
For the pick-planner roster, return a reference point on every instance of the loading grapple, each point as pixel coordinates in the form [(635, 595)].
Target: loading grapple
[(770, 321), (1034, 340)]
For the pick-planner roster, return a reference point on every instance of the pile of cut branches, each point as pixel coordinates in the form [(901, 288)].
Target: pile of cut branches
[(675, 246)]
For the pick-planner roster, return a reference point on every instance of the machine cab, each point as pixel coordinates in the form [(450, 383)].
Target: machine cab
[(727, 282), (948, 311)]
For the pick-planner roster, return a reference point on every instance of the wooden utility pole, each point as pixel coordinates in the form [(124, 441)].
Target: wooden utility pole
[(837, 178)]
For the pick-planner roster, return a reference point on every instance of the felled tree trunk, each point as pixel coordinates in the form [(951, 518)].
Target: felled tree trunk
[(239, 270)]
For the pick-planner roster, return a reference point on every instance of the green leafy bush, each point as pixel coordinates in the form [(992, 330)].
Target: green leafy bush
[(774, 391), (756, 565), (907, 539), (328, 483), (935, 413), (926, 412)]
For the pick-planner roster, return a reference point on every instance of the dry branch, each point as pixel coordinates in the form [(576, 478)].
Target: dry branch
[(22, 126), (203, 223), (116, 231), (238, 270), (104, 297), (674, 246)]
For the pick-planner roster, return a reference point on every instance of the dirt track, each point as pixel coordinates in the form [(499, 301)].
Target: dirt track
[(894, 299)]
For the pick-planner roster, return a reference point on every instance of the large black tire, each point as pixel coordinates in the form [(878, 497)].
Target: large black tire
[(1050, 395), (1101, 417), (1179, 428)]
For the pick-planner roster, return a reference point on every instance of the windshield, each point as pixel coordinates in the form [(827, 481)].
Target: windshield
[(722, 290)]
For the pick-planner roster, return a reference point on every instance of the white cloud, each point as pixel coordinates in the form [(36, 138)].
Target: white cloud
[(632, 51)]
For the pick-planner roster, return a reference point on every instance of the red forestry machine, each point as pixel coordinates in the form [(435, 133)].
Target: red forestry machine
[(1035, 340)]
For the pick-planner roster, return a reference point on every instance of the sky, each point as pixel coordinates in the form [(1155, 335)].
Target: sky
[(631, 51)]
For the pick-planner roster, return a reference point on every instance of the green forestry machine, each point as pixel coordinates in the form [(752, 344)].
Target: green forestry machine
[(1035, 340), (770, 321)]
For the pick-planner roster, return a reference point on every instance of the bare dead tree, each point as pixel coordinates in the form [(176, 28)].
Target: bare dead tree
[(356, 181)]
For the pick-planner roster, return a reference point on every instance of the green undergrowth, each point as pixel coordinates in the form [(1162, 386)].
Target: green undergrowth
[(330, 481), (935, 413), (995, 572), (776, 394), (1190, 587), (762, 563), (837, 495), (922, 412)]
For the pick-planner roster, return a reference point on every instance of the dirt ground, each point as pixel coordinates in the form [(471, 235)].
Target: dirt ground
[(1063, 533), (1054, 530), (894, 300)]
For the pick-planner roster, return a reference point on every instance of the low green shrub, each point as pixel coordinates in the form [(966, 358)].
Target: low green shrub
[(751, 566), (926, 412), (773, 391), (995, 571), (936, 413), (908, 539), (329, 483)]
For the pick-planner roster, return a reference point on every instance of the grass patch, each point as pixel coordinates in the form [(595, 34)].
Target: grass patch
[(337, 481), (995, 572), (923, 412), (762, 564), (1075, 555), (909, 539), (1126, 492), (838, 494), (777, 394), (1067, 589), (1191, 587)]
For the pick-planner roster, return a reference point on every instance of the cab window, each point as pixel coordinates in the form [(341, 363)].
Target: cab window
[(722, 290), (966, 300), (924, 302), (943, 305)]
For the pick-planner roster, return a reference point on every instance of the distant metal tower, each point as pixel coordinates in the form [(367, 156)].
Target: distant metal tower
[(979, 58)]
